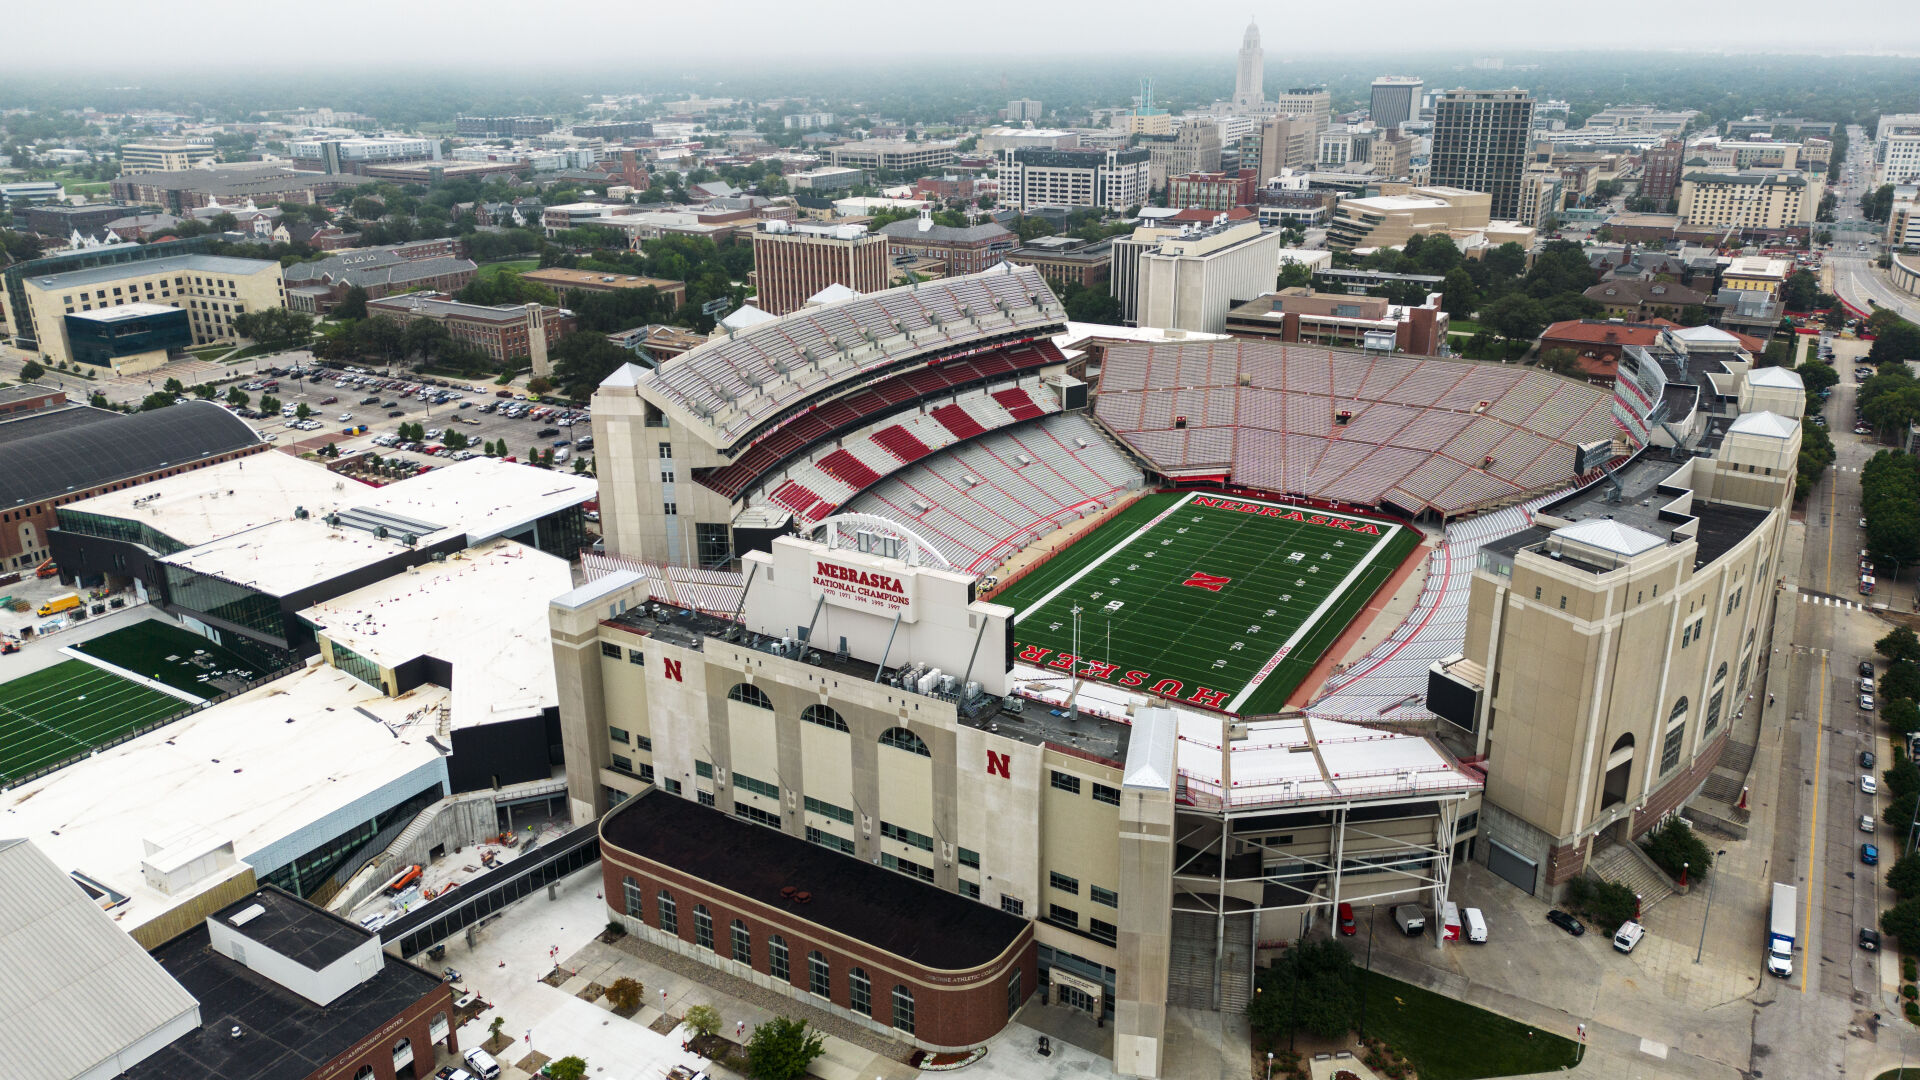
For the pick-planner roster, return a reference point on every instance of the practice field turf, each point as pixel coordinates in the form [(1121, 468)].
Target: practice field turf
[(172, 655), (68, 709), (1206, 598)]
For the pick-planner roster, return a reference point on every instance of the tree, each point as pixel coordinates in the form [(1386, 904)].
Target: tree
[(174, 387), (1098, 306), (302, 411), (1900, 644), (1515, 316), (1902, 921), (353, 305), (205, 391), (1801, 291), (702, 1019), (1898, 340), (782, 1048), (1560, 362), (581, 361), (424, 338), (571, 1067), (1310, 989), (237, 398), (31, 371), (1901, 681), (539, 384), (1902, 716), (1692, 315), (98, 400), (1904, 877), (1458, 297), (269, 403), (157, 400), (1818, 376), (455, 441), (1673, 845), (493, 1029), (625, 993)]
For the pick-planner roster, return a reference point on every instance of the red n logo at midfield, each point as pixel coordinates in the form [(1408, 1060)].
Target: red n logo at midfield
[(1209, 582), (997, 765)]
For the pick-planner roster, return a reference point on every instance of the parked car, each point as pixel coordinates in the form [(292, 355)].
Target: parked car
[(1869, 854), (1869, 786), (345, 416), (1866, 705), (1866, 684), (1869, 939), (1866, 822), (1866, 666), (546, 433), (330, 399), (1867, 759), (1566, 922), (1345, 915), (395, 412), (369, 401), (1476, 925), (1411, 919), (482, 1064)]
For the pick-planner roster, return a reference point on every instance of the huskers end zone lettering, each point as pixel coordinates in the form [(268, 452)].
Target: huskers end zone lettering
[(1281, 513)]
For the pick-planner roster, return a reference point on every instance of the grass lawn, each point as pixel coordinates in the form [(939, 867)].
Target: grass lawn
[(516, 266), (1452, 1040), (1463, 326), (170, 654), (65, 710), (84, 187), (246, 353), (1215, 600)]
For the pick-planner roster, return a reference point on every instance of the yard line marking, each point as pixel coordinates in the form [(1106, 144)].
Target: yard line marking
[(1104, 556), (1311, 621)]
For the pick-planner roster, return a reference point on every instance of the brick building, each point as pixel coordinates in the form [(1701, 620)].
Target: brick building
[(890, 953), (504, 332), (963, 251), (792, 262), (438, 265), (1660, 170), (1064, 259), (1213, 191), (562, 280)]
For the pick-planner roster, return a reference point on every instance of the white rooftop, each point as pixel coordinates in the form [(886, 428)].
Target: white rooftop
[(1758, 266), (1608, 535), (1776, 377), (285, 556), (746, 316), (202, 505), (1297, 758), (1768, 424), (625, 375), (259, 770), (1699, 335), (80, 994), (125, 311), (483, 611), (485, 496)]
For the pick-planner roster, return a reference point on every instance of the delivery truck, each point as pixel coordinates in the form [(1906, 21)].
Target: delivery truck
[(63, 602), (1780, 931)]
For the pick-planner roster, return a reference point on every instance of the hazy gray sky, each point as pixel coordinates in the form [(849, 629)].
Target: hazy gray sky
[(480, 31)]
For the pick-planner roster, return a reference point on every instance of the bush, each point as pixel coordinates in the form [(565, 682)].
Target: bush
[(1673, 846), (1902, 921), (782, 1048), (625, 994), (1904, 880), (571, 1067), (702, 1019), (1913, 1013), (1909, 971), (616, 928), (1910, 992), (1606, 904), (1309, 989)]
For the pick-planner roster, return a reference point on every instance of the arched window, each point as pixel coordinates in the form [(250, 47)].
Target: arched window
[(825, 717), (702, 926), (901, 739), (860, 992), (778, 963), (749, 694), (631, 890), (1721, 675), (1679, 710), (1624, 742), (819, 976), (365, 1073), (669, 914), (903, 1009), (742, 943)]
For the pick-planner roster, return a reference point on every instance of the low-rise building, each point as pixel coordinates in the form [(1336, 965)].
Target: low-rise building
[(224, 185), (965, 250), (1213, 190), (894, 156), (1639, 300), (436, 265), (1349, 322), (1188, 281), (1755, 205), (354, 155), (1755, 273), (827, 178), (1067, 259), (164, 155), (1402, 212), (504, 332), (655, 342), (1903, 218), (562, 280), (793, 262), (67, 309), (60, 222)]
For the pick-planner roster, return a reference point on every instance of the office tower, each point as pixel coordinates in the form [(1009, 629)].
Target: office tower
[(1396, 100), (1480, 144), (792, 262)]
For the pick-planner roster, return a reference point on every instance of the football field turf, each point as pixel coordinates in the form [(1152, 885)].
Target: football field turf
[(70, 708), (172, 655), (1206, 598)]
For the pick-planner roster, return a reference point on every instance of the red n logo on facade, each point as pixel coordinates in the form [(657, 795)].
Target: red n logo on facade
[(997, 765), (671, 668), (1209, 582)]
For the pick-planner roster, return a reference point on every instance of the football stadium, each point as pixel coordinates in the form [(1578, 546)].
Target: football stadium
[(1157, 642)]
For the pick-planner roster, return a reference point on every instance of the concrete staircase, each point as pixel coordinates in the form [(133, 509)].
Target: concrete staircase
[(1192, 972), (1236, 976), (1625, 865)]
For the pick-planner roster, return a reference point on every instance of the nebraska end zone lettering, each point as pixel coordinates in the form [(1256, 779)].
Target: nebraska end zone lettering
[(1096, 671), (1281, 513)]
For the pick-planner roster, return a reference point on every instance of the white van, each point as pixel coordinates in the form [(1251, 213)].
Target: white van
[(1476, 925), (1628, 936), (482, 1064)]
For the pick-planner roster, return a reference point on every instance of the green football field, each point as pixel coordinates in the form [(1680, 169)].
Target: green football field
[(1206, 598), (68, 709), (173, 655)]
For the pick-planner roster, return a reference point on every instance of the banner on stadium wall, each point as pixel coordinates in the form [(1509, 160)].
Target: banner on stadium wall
[(883, 587)]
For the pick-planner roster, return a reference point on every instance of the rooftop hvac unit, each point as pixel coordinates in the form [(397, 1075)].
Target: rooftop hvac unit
[(970, 480), (1023, 459), (1081, 443)]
